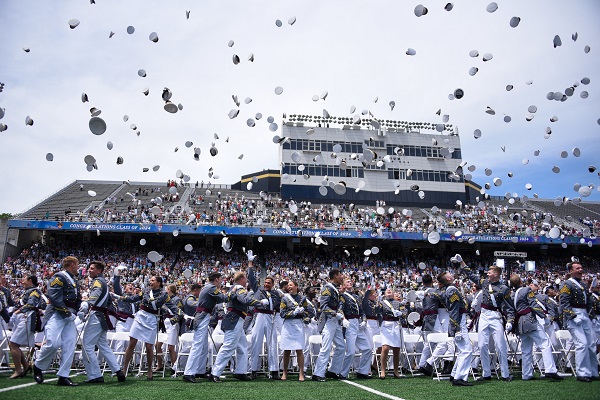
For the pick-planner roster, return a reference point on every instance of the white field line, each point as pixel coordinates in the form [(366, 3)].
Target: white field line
[(368, 389), (32, 383)]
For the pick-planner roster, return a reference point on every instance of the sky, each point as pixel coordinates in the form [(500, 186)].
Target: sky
[(354, 50)]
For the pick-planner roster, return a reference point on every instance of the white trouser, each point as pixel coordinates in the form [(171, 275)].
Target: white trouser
[(586, 362), (332, 334), (94, 335), (234, 342), (196, 362), (490, 323), (356, 339), (462, 366), (539, 338), (59, 333), (263, 330)]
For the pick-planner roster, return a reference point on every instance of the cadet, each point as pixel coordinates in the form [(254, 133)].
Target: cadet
[(233, 325), (330, 321), (457, 328), (575, 300), (209, 297), (530, 331), (264, 322), (495, 301), (435, 319), (355, 333), (60, 331), (24, 326), (98, 322)]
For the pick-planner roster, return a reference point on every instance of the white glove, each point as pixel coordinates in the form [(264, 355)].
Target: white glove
[(116, 271), (458, 337), (458, 258), (84, 308), (250, 255), (188, 317), (397, 313), (71, 317), (115, 296), (339, 316), (264, 302), (578, 320), (345, 323), (298, 310), (362, 325), (508, 328)]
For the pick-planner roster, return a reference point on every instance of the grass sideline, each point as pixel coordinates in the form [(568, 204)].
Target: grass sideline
[(408, 388)]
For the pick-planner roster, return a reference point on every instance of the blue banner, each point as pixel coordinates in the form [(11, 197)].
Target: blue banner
[(281, 232)]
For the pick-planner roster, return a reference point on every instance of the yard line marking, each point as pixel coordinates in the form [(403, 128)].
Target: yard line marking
[(368, 389), (25, 385)]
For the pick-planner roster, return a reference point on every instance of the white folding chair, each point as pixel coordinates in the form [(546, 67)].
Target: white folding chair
[(567, 349), (4, 348), (116, 337), (183, 351), (435, 339), (314, 343), (412, 355)]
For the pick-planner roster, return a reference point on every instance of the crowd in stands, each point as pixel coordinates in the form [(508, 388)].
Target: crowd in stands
[(389, 268)]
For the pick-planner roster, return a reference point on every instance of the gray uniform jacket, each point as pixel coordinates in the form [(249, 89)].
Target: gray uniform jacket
[(289, 302), (99, 297), (432, 300), (574, 293), (239, 300), (352, 307), (262, 293), (456, 306), (527, 309), (122, 306), (32, 301), (63, 294)]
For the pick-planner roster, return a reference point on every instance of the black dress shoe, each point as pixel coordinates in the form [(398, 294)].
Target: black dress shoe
[(451, 378), (254, 374), (427, 370), (555, 376), (363, 376), (460, 382), (189, 378), (214, 378), (38, 374), (274, 375), (202, 376), (120, 376), (529, 379), (583, 379), (100, 379), (484, 378), (507, 379), (242, 377), (62, 381), (331, 375), (318, 378)]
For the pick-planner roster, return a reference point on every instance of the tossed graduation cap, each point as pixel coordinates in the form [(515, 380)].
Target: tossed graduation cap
[(153, 37), (514, 22), (411, 52), (556, 41), (555, 169), (292, 20), (586, 49), (420, 10), (472, 71), (493, 6), (278, 90), (145, 169), (490, 111), (250, 122), (142, 73), (91, 193), (278, 23), (509, 88), (89, 160), (233, 113), (476, 135), (507, 118), (97, 125), (28, 121), (119, 160), (49, 157), (73, 23), (84, 98), (433, 237), (213, 150), (130, 29), (170, 107), (251, 57), (448, 6), (487, 56), (236, 59)]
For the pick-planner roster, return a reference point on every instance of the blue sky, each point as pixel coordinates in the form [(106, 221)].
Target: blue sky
[(353, 49)]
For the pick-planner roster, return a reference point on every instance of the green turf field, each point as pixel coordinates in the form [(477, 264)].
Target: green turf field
[(420, 388)]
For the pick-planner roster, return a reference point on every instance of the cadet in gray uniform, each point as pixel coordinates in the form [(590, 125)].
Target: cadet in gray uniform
[(60, 331), (154, 301), (356, 337), (98, 308), (233, 325), (527, 327), (124, 309), (495, 302), (432, 305), (24, 327), (209, 297), (331, 317), (575, 302), (457, 328)]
